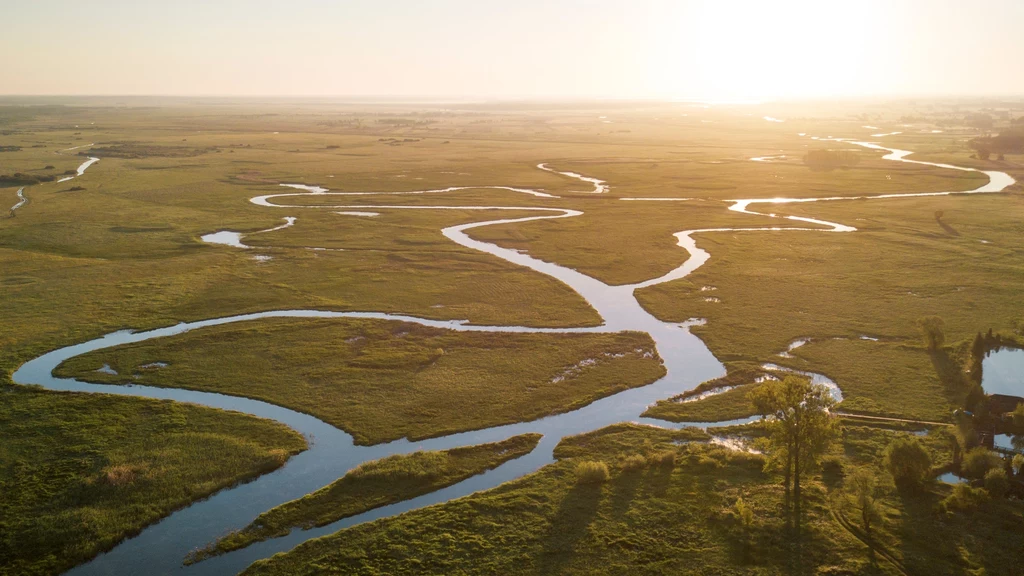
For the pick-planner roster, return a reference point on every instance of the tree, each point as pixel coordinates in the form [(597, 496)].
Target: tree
[(978, 346), (978, 461), (933, 329), (800, 425), (1017, 417), (996, 482), (745, 515), (908, 462), (1018, 464), (862, 489)]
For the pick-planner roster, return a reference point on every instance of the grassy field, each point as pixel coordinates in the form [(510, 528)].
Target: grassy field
[(662, 519), (900, 266), (119, 247), (375, 484), (80, 472), (716, 400), (383, 380)]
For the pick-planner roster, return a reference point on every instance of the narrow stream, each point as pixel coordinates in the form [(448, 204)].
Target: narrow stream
[(160, 548), (81, 169), (21, 199)]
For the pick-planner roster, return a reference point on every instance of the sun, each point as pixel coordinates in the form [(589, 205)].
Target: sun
[(763, 50)]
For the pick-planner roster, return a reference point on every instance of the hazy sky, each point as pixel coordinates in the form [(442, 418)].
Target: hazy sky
[(717, 49)]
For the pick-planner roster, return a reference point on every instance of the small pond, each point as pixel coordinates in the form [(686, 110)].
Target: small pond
[(1003, 372)]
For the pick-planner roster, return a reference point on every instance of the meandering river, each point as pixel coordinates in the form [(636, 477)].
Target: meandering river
[(160, 548)]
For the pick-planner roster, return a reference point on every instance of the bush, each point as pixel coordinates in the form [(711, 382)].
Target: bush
[(1017, 419), (664, 458), (591, 472), (633, 463), (908, 462), (744, 514), (1018, 464), (832, 465), (978, 461), (933, 329), (996, 483), (964, 499)]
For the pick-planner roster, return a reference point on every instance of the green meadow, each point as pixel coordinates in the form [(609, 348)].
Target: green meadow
[(373, 484), (82, 472), (384, 380), (120, 248), (671, 515)]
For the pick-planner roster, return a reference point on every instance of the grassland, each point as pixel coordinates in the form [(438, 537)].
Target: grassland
[(383, 380), (900, 266), (716, 400), (375, 484), (122, 250), (663, 519), (79, 472)]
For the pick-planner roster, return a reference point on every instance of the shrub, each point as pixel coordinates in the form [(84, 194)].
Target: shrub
[(1018, 464), (907, 461), (633, 463), (744, 513), (121, 474), (996, 483), (832, 465), (978, 461), (663, 458), (1017, 418), (964, 499), (591, 472), (933, 329)]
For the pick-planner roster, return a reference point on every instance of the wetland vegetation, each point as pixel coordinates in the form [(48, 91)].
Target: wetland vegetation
[(381, 381), (374, 484), (125, 251)]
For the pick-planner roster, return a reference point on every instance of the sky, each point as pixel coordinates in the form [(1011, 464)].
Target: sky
[(663, 49)]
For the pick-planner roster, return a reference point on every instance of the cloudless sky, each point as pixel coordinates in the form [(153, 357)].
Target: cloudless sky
[(715, 49)]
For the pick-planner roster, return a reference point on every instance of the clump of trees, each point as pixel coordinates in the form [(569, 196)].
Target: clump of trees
[(831, 159), (21, 179), (1009, 141), (135, 150), (979, 120), (10, 148), (801, 428)]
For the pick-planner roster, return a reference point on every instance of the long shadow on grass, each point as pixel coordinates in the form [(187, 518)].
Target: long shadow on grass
[(951, 375), (577, 510), (624, 489)]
